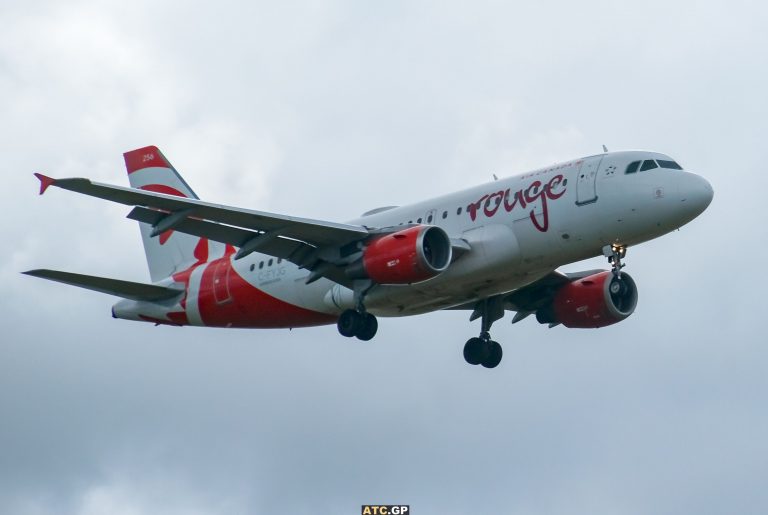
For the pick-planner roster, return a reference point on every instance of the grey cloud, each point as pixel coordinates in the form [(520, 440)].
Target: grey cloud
[(329, 109)]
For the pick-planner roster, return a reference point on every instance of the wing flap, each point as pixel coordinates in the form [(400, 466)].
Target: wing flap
[(125, 289), (294, 251), (291, 250)]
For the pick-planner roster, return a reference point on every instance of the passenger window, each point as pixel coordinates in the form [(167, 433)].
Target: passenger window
[(633, 166), (445, 215), (418, 220), (261, 265), (429, 220), (648, 164), (669, 164), (269, 263), (458, 211)]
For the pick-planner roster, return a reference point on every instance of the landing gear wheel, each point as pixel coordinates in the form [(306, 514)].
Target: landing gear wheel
[(349, 323), (476, 351), (353, 323), (494, 355), (368, 327)]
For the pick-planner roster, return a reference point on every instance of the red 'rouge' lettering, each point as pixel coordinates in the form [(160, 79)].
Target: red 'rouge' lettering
[(493, 203), (534, 194), (472, 208)]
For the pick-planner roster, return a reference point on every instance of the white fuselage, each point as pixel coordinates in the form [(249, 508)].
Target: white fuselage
[(519, 229)]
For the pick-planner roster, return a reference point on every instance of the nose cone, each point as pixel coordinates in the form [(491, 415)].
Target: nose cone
[(695, 194)]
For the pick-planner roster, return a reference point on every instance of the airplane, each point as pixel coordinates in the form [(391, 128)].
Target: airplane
[(488, 249)]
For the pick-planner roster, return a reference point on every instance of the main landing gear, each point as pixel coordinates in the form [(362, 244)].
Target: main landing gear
[(483, 350), (358, 322)]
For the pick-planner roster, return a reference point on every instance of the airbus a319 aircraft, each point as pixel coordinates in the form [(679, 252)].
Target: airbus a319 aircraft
[(487, 249)]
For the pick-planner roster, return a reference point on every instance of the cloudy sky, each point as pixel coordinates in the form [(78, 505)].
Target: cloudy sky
[(327, 109)]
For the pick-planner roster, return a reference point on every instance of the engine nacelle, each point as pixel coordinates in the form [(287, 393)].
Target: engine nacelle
[(408, 256), (598, 300)]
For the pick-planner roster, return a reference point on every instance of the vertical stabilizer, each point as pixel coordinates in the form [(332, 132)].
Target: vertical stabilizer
[(170, 251)]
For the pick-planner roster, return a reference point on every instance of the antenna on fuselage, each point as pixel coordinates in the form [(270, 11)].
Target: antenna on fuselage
[(605, 149)]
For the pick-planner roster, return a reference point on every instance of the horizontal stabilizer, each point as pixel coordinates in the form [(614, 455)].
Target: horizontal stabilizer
[(126, 289)]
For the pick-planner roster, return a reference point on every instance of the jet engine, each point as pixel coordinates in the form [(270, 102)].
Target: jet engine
[(594, 301), (408, 256)]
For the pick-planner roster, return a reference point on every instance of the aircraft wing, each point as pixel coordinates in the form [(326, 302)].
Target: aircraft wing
[(315, 232), (526, 300), (539, 293), (313, 244)]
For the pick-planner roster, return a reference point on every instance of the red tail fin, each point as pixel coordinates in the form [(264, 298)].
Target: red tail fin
[(147, 157), (169, 251)]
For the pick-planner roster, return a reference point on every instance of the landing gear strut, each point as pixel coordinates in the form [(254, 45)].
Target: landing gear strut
[(482, 350), (615, 253), (358, 322)]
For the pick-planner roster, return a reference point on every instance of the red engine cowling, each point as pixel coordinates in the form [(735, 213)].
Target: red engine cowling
[(598, 300), (408, 256)]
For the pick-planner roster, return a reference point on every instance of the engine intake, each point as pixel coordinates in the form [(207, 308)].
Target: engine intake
[(408, 256), (598, 300)]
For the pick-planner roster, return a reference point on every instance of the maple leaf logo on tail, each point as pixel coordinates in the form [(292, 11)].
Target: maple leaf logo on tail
[(170, 251)]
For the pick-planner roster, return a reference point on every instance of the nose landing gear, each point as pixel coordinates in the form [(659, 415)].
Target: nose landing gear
[(615, 253)]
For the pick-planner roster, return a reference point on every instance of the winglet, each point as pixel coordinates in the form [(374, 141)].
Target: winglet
[(45, 182)]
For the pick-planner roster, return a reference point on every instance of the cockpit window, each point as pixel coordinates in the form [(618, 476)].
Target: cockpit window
[(632, 168), (669, 164), (648, 164)]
